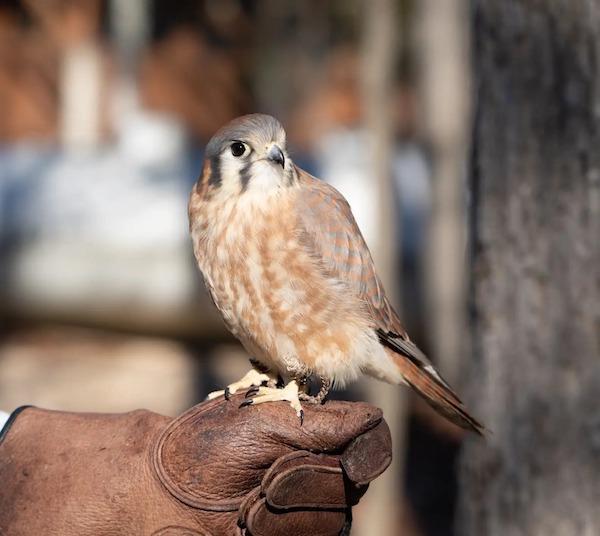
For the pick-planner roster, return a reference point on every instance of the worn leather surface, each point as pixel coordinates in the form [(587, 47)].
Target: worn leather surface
[(215, 470)]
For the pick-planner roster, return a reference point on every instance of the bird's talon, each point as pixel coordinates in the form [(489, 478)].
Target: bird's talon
[(301, 417), (252, 391), (227, 393), (246, 403)]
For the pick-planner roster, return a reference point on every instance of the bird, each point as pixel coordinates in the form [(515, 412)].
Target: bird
[(285, 263)]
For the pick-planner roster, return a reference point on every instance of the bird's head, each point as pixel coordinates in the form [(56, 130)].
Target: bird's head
[(247, 155)]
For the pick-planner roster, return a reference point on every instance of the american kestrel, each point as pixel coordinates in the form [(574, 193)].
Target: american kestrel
[(287, 267)]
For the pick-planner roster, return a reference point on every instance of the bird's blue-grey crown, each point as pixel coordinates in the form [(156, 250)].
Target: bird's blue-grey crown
[(253, 129)]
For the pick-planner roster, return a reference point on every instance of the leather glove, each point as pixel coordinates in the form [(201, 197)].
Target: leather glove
[(215, 470)]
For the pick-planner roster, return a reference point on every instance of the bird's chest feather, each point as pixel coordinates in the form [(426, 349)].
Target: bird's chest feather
[(255, 269)]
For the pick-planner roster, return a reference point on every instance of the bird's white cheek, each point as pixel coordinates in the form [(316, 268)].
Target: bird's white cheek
[(230, 175)]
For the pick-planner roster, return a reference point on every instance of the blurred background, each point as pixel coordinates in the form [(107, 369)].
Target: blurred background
[(105, 110)]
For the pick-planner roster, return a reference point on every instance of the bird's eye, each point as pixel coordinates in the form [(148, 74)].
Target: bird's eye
[(238, 148)]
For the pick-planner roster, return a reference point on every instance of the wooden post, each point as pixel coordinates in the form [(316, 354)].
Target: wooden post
[(444, 88), (80, 93), (380, 512)]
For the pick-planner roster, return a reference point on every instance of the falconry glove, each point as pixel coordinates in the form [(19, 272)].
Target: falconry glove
[(215, 470)]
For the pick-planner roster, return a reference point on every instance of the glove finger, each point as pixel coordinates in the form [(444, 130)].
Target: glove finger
[(306, 480), (261, 519), (368, 455)]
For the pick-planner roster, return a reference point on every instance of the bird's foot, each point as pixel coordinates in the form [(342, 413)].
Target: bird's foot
[(290, 393), (253, 378), (319, 398)]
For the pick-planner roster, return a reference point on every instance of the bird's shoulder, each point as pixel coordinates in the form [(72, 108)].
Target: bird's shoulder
[(322, 205)]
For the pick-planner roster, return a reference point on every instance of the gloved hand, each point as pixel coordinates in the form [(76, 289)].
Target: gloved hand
[(215, 470)]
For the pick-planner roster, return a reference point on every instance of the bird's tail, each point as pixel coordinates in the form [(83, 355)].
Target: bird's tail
[(418, 372)]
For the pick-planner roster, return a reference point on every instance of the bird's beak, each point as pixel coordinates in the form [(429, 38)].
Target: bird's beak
[(275, 154)]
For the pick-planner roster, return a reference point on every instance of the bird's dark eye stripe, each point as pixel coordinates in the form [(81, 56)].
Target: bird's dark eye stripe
[(245, 176), (215, 171), (238, 148)]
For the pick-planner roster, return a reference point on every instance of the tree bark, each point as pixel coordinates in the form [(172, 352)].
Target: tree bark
[(535, 192)]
